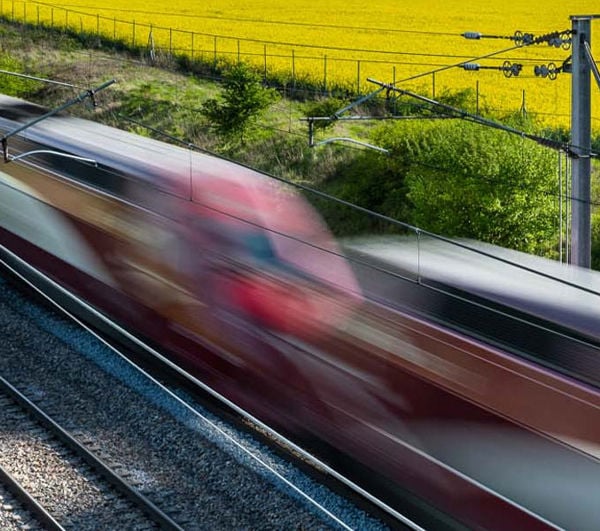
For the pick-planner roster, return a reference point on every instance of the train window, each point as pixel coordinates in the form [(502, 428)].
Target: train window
[(100, 177), (258, 246), (245, 243)]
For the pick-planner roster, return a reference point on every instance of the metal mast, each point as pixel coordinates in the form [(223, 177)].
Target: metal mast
[(581, 139)]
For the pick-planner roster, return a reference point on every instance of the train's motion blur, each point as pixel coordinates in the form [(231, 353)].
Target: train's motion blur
[(239, 281), (542, 309)]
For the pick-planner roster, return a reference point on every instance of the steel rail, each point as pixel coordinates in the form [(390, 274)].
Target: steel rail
[(132, 494), (28, 501)]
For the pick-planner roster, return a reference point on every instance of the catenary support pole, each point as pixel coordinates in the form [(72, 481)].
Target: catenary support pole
[(581, 141)]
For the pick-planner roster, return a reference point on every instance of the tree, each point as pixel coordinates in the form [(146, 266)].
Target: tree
[(241, 102), (466, 180)]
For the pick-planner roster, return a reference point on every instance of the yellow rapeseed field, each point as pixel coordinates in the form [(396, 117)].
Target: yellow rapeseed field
[(416, 44)]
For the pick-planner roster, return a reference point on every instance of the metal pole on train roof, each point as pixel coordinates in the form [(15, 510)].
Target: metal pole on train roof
[(581, 141)]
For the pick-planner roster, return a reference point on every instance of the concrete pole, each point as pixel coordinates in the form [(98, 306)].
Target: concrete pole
[(581, 140)]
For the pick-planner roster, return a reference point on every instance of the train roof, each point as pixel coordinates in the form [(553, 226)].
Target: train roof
[(544, 287), (173, 169)]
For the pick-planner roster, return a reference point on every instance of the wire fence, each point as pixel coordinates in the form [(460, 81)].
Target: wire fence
[(324, 70)]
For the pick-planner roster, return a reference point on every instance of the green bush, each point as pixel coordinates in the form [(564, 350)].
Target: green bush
[(596, 241), (241, 103), (369, 180), (466, 180)]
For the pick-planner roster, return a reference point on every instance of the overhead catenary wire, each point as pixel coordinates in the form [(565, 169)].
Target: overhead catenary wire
[(422, 74), (190, 145), (569, 148)]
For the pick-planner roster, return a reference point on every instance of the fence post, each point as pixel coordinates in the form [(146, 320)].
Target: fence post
[(358, 77), (13, 10), (192, 46), (24, 13), (170, 41), (215, 52), (395, 96), (38, 15), (265, 61), (433, 85), (293, 71), (66, 19), (151, 46), (114, 28), (97, 25), (52, 17), (133, 34), (325, 74), (238, 50)]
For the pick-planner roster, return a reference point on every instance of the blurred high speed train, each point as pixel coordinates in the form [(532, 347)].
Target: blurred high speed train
[(239, 282)]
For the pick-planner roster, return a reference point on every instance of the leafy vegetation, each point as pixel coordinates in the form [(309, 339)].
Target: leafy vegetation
[(470, 181), (457, 179), (14, 85), (240, 104)]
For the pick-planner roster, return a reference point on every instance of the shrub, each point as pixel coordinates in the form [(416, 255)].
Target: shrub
[(465, 180), (242, 101), (13, 85)]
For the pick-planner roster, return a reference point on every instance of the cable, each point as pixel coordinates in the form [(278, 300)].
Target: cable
[(465, 115), (440, 169), (486, 56), (391, 86)]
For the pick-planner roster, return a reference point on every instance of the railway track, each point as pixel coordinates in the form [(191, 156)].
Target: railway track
[(187, 463), (61, 481)]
